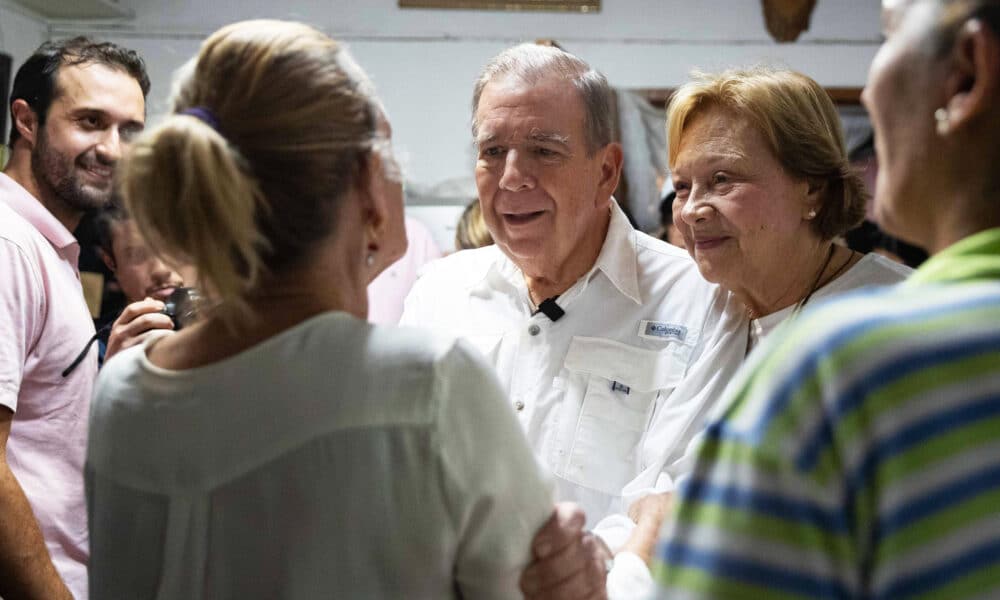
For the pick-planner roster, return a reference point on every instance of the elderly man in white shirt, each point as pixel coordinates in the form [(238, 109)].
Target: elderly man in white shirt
[(609, 343)]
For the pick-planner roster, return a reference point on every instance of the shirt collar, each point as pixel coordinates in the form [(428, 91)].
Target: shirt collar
[(31, 210), (975, 258), (618, 256), (617, 260)]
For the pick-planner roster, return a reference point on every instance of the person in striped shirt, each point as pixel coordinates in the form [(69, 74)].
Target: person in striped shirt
[(859, 456)]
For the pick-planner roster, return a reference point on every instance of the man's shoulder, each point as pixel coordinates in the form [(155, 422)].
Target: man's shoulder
[(464, 267), (16, 230), (662, 267), (655, 247), (22, 247), (656, 257)]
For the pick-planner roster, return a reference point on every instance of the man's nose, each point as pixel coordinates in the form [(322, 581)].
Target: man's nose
[(517, 176), (109, 149), (160, 271)]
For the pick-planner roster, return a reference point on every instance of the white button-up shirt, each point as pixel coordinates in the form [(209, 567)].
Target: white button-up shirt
[(610, 394)]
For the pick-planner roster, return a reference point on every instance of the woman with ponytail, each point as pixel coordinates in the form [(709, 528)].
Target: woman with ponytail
[(281, 447)]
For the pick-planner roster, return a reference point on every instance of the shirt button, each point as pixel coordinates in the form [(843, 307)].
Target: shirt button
[(519, 405), (534, 329)]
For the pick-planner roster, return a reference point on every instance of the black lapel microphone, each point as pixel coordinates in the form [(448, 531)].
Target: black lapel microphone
[(550, 309)]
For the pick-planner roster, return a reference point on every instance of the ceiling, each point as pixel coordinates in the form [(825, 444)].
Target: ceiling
[(78, 9)]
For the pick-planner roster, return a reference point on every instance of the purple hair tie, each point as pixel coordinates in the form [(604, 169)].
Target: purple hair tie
[(203, 114)]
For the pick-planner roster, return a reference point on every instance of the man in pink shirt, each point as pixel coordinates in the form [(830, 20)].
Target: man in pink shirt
[(74, 106)]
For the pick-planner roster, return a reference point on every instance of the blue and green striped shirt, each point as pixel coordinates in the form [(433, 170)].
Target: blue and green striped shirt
[(860, 454)]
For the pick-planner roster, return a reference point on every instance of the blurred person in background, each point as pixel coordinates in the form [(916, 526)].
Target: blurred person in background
[(146, 281), (388, 290), (669, 232), (471, 231)]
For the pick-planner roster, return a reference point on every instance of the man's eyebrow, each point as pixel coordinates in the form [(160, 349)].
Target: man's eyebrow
[(535, 136), (549, 137), (485, 138), (87, 110), (81, 111)]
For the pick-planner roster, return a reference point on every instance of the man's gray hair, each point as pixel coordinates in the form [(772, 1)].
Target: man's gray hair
[(530, 63)]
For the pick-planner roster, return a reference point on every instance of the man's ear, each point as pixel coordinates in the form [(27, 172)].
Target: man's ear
[(611, 170), (973, 85), (25, 120)]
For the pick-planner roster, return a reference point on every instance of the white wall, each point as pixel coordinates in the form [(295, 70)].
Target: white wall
[(20, 34), (424, 61)]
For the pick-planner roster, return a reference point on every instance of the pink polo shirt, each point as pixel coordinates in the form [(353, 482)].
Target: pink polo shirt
[(387, 292), (44, 324)]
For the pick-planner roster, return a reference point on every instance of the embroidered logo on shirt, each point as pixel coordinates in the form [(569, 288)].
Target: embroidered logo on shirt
[(662, 331), (620, 387)]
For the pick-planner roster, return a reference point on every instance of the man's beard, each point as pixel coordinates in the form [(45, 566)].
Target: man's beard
[(57, 174)]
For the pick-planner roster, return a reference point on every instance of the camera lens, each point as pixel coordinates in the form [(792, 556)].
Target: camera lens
[(181, 306)]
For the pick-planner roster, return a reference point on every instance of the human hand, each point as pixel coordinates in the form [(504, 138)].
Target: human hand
[(651, 508), (648, 513), (568, 562), (135, 324)]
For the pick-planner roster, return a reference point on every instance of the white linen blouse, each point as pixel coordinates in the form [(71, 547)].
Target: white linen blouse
[(334, 460)]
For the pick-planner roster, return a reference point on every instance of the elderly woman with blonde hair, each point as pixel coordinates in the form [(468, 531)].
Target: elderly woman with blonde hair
[(764, 188)]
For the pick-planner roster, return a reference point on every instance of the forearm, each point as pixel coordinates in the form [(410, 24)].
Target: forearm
[(648, 513), (26, 570), (642, 542)]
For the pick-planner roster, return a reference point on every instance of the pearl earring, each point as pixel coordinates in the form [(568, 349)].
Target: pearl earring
[(370, 260), (941, 117), (811, 214)]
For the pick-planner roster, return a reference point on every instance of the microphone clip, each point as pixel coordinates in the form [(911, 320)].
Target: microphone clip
[(550, 309)]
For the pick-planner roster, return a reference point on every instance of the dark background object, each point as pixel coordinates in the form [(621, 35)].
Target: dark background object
[(867, 237), (6, 62)]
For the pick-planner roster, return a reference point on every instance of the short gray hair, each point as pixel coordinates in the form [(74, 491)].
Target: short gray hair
[(531, 63)]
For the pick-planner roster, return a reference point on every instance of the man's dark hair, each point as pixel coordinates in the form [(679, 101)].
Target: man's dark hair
[(35, 82), (103, 220)]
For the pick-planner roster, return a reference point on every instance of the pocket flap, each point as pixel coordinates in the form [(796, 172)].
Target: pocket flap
[(639, 368)]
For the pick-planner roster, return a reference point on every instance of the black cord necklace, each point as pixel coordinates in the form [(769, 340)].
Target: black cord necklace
[(819, 277)]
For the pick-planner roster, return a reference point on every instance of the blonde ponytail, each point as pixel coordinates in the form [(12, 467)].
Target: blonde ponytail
[(191, 195), (250, 191)]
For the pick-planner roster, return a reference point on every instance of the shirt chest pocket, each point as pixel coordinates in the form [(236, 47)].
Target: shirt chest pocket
[(611, 389)]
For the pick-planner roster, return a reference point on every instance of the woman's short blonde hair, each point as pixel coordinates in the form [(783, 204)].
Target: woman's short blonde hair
[(472, 231), (799, 122), (250, 190)]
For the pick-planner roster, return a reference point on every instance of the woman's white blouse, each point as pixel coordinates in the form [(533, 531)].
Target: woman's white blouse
[(337, 459)]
